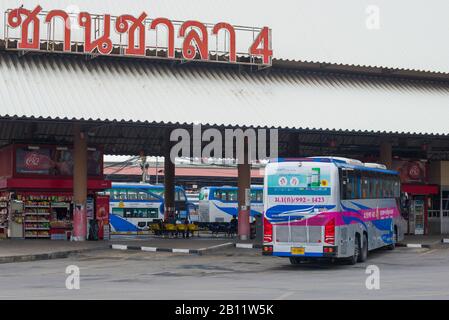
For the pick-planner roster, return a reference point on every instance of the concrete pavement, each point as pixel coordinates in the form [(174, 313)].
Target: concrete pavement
[(12, 250), (230, 274), (28, 250)]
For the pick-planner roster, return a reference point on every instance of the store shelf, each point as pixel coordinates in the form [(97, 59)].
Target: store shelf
[(36, 206), (37, 229), (37, 236), (36, 221), (37, 213)]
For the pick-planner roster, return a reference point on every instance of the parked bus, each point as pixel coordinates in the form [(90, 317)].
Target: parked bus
[(332, 208), (219, 204), (134, 206)]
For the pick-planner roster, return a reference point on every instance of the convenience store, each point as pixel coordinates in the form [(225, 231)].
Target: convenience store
[(36, 192)]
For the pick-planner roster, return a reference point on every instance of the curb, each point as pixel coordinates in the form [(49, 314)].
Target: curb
[(248, 246), (413, 245), (42, 256), (200, 251)]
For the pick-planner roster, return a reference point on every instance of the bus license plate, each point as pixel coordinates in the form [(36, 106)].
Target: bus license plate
[(300, 251)]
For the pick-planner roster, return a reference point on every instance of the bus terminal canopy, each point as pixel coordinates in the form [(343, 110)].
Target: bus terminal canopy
[(109, 89), (129, 104)]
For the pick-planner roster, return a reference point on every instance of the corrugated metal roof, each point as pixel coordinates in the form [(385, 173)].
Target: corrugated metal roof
[(137, 91), (315, 31)]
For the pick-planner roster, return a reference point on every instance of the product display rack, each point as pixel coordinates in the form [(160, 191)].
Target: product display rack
[(40, 215), (36, 217), (4, 205)]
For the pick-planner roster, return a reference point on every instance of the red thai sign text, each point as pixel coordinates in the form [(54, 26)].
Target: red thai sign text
[(138, 36)]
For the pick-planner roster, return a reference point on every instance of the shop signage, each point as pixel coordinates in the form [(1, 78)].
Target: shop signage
[(135, 36)]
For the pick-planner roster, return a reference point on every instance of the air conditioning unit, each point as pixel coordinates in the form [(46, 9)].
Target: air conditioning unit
[(375, 165)]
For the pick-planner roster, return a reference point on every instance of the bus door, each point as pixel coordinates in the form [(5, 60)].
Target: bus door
[(181, 204)]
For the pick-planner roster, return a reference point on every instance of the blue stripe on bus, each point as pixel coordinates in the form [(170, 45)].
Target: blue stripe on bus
[(286, 191), (120, 224), (139, 201), (288, 254), (234, 212)]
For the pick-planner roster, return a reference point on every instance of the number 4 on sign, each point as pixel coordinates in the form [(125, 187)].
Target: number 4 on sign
[(262, 46)]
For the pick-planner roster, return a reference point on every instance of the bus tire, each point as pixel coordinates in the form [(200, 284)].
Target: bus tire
[(395, 239), (364, 249), (355, 257)]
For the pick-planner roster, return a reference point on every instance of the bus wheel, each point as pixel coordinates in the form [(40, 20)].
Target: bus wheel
[(353, 260), (295, 260), (364, 250)]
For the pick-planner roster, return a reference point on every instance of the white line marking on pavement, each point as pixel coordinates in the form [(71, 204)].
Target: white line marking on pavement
[(284, 296), (244, 245), (217, 246), (148, 249), (119, 247), (414, 245), (433, 250), (180, 250)]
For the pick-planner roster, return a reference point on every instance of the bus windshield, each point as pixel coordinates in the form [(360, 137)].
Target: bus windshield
[(293, 184)]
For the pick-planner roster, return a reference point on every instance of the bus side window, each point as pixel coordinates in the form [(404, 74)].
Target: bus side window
[(372, 187), (118, 212), (365, 187), (376, 187), (397, 187), (232, 195), (385, 186), (180, 196), (142, 195), (350, 187), (132, 195), (259, 195), (389, 188), (128, 213)]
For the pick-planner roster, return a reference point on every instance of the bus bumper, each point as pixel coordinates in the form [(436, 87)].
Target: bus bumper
[(318, 251)]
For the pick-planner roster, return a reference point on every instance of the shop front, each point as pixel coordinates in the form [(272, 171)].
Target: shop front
[(418, 196), (36, 193)]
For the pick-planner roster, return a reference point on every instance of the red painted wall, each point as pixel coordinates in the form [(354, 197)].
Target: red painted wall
[(6, 159)]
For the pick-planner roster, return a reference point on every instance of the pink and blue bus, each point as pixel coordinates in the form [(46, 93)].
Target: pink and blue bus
[(330, 208), (135, 206)]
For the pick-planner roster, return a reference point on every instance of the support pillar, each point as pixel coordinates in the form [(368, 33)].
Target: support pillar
[(169, 183), (79, 184), (244, 195), (386, 154)]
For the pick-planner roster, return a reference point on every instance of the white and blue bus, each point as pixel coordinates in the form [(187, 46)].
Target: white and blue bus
[(326, 207), (134, 206), (219, 204)]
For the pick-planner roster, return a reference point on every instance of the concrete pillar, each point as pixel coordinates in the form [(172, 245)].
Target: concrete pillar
[(386, 154), (79, 184), (169, 183), (243, 196)]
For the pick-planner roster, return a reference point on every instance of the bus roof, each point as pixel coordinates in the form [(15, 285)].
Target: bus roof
[(339, 162), (254, 187)]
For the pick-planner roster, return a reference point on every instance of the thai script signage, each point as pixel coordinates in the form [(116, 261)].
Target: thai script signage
[(135, 36)]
